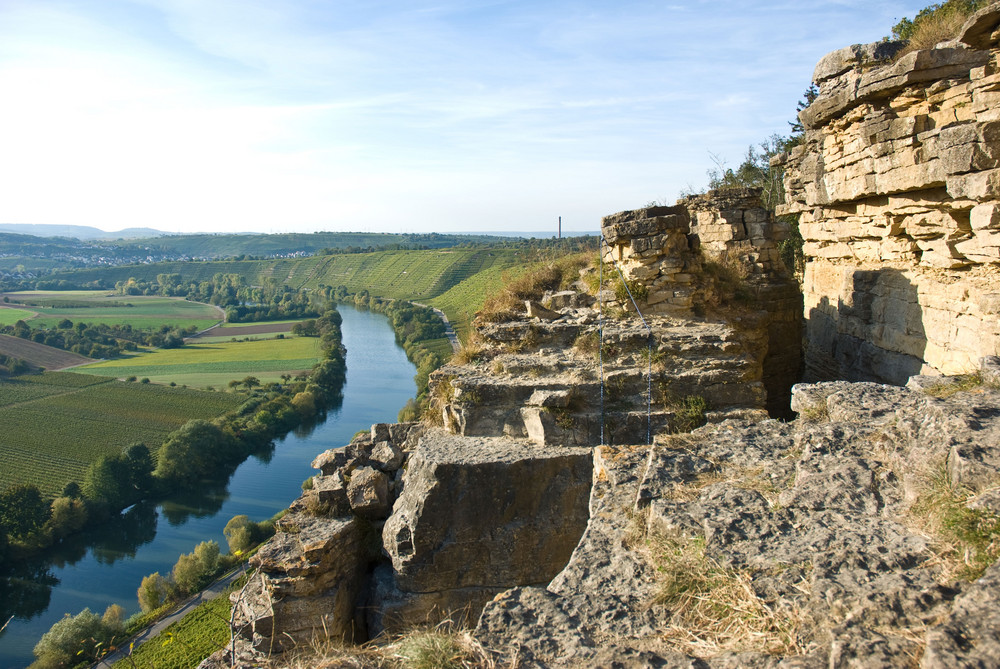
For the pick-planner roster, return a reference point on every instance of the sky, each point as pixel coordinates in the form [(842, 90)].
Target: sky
[(393, 116)]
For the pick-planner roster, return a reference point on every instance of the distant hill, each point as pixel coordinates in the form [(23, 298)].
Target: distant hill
[(40, 355), (79, 231)]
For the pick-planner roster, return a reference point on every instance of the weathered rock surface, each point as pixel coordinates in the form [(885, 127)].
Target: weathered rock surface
[(535, 502), (896, 187), (817, 517), (553, 396), (479, 515), (313, 573)]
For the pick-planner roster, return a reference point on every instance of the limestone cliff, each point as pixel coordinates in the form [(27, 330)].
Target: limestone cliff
[(897, 188)]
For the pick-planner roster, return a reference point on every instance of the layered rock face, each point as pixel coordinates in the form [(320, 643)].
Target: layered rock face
[(551, 392), (709, 253), (898, 190)]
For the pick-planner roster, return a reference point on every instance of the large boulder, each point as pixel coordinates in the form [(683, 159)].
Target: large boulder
[(478, 513)]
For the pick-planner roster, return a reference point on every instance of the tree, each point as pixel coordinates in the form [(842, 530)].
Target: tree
[(199, 447), (207, 554), (187, 573), (107, 480), (114, 619), (139, 463), (239, 533), (152, 592), (69, 515), (755, 172), (22, 510), (807, 99), (71, 639)]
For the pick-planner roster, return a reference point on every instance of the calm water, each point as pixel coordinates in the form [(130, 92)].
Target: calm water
[(379, 381)]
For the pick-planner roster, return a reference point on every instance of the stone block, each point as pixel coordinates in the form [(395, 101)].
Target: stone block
[(486, 512), (368, 493), (386, 456)]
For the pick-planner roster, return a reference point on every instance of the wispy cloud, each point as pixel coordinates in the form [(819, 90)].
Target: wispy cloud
[(280, 114)]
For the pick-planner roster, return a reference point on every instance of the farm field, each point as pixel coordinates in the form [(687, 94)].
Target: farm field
[(215, 363), (85, 417), (229, 331), (39, 355), (94, 306), (11, 315)]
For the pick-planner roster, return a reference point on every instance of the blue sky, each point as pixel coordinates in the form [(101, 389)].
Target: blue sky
[(385, 116)]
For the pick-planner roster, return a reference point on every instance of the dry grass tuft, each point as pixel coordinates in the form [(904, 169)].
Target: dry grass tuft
[(508, 303), (440, 647), (690, 490), (473, 351), (965, 541), (714, 609), (933, 29), (956, 385), (817, 413)]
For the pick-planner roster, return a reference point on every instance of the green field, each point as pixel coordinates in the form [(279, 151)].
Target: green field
[(56, 424), (215, 363), (9, 316), (89, 306)]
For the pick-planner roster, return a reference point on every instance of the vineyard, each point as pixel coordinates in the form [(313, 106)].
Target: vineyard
[(56, 424), (188, 641), (39, 355)]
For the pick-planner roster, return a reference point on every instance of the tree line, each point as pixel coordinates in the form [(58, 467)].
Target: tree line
[(98, 340), (243, 302)]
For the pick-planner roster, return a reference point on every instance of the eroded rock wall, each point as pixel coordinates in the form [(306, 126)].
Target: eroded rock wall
[(897, 189), (716, 253)]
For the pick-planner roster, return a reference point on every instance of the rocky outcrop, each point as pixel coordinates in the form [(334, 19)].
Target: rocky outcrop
[(409, 525), (896, 188), (477, 516), (777, 544), (714, 253), (312, 574)]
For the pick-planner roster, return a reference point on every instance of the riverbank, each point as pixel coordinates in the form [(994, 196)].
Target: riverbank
[(107, 571)]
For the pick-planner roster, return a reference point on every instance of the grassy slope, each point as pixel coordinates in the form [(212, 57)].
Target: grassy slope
[(85, 417), (413, 275)]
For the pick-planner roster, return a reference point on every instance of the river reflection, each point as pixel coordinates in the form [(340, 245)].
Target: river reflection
[(107, 566)]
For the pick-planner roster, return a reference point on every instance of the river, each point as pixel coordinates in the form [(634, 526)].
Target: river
[(109, 568)]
